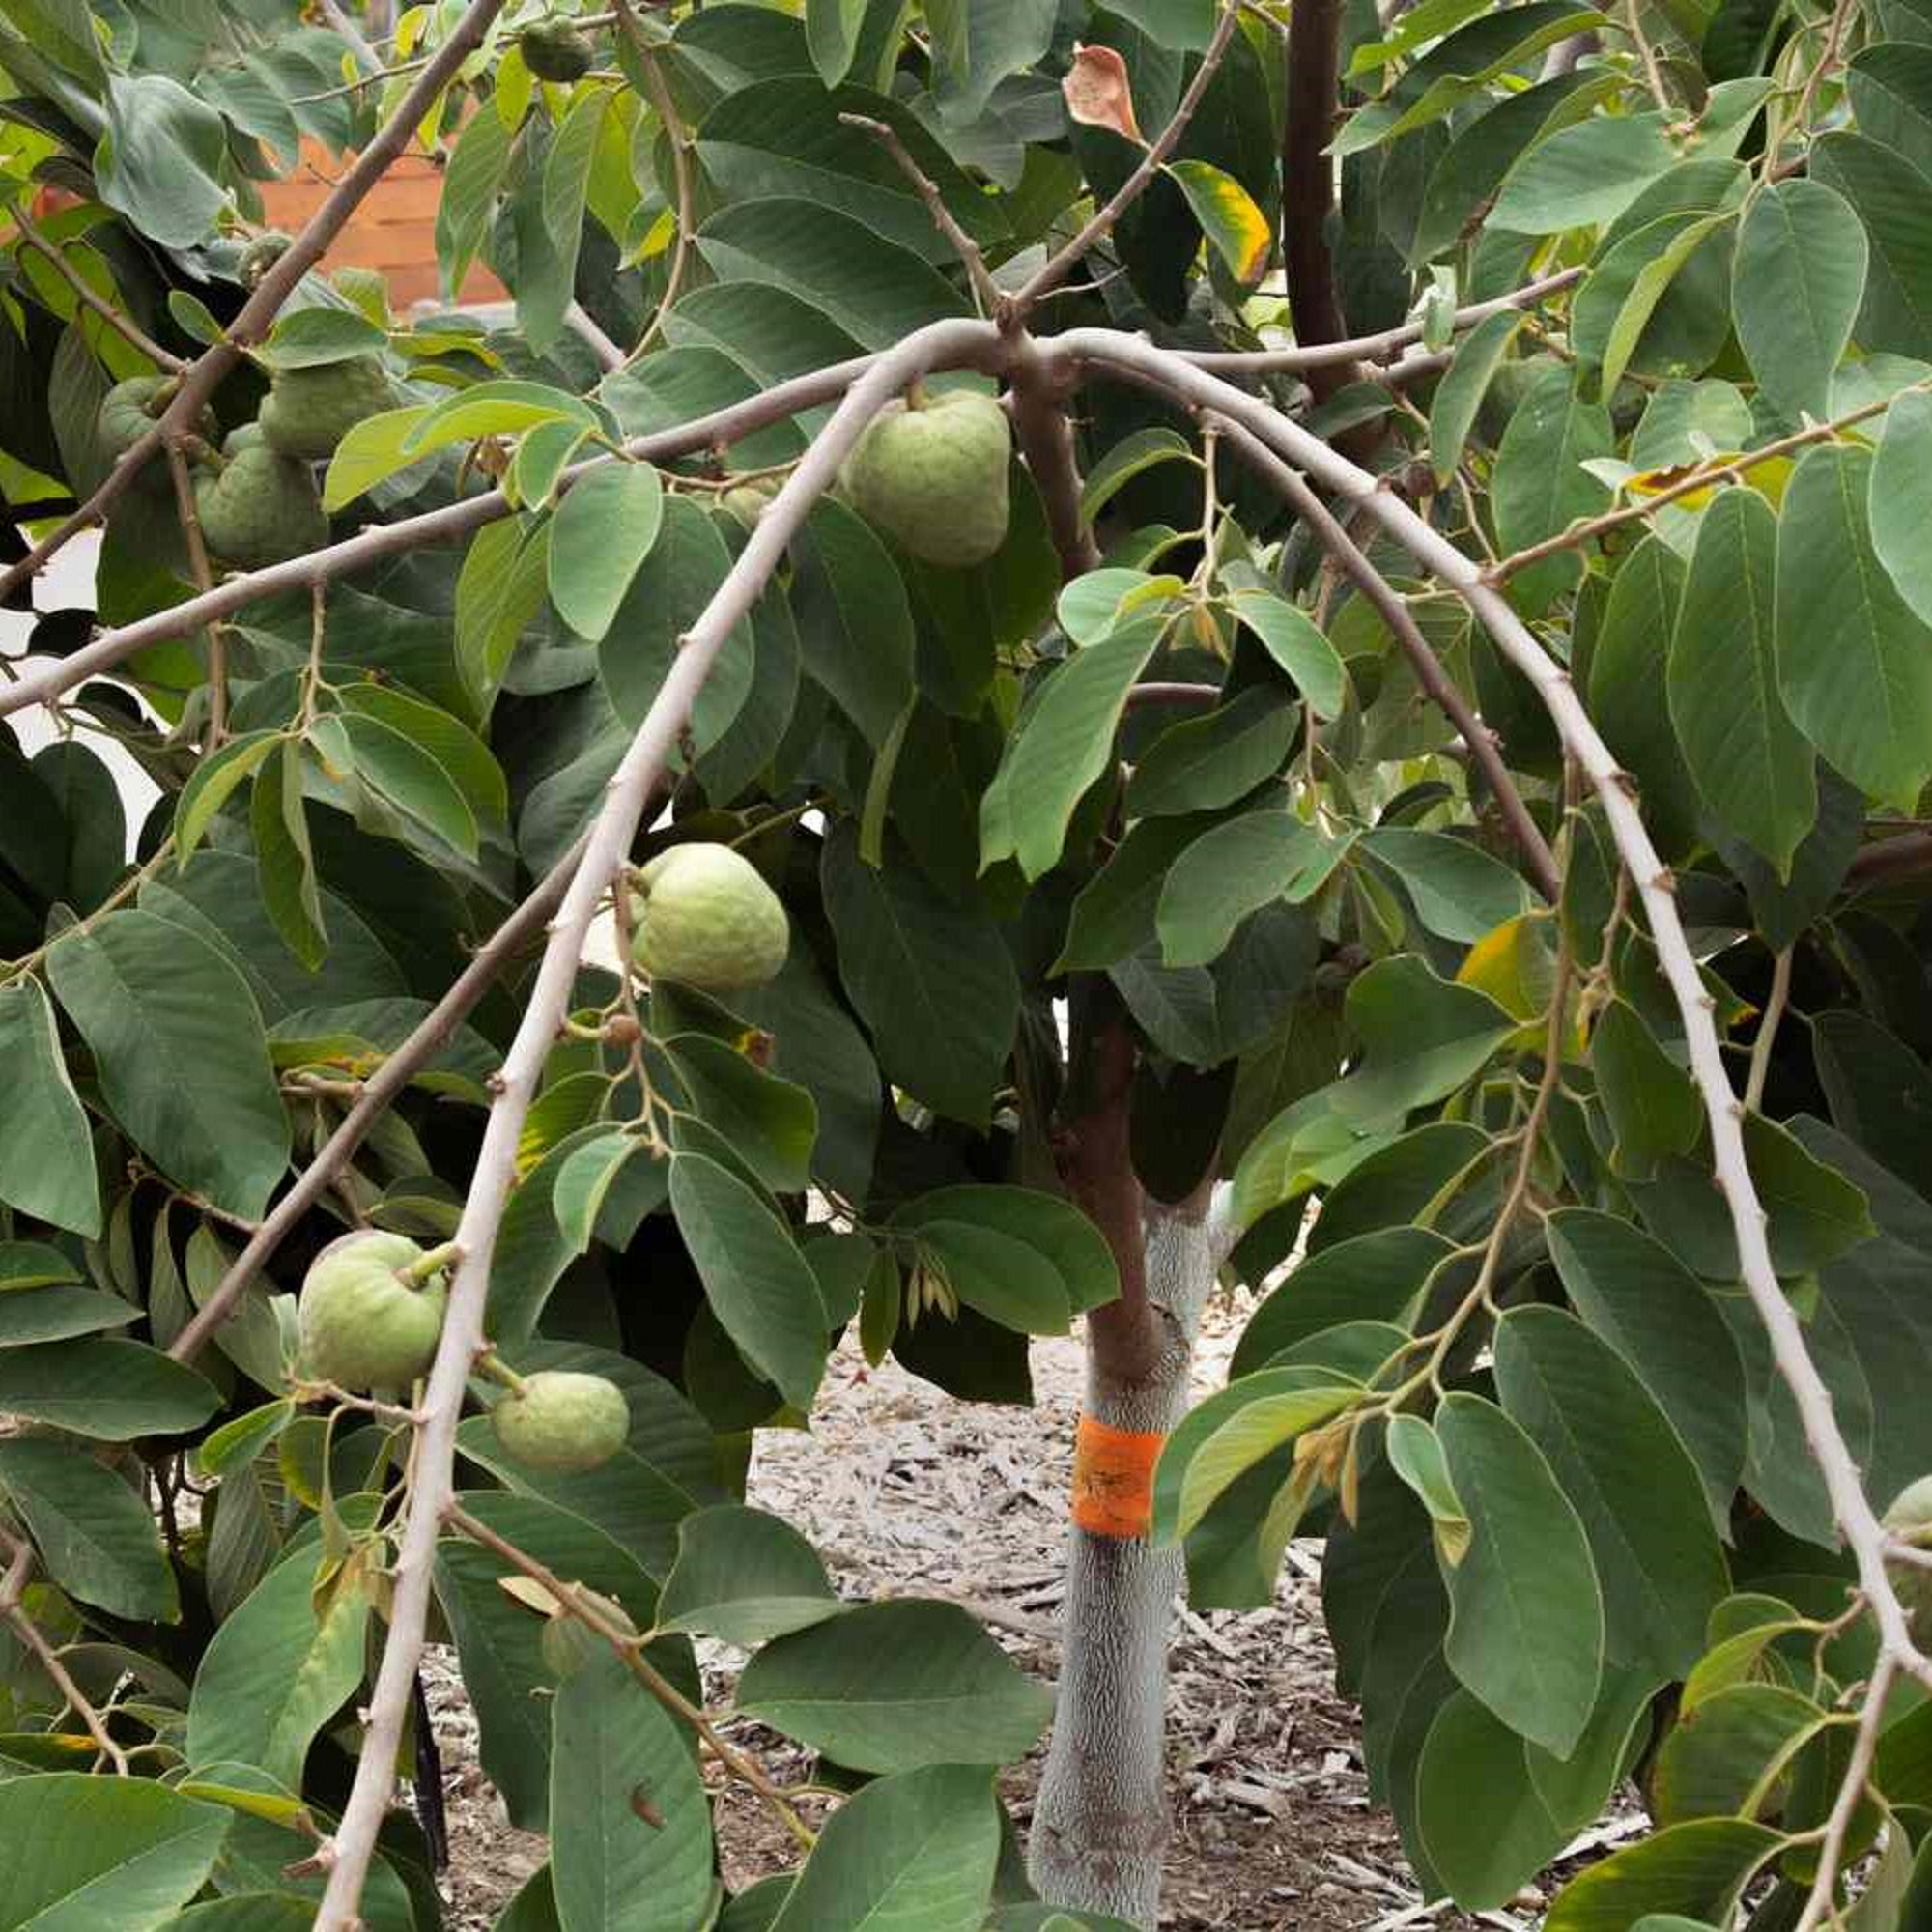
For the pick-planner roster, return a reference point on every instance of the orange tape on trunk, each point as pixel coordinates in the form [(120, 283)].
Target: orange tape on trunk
[(1112, 1478)]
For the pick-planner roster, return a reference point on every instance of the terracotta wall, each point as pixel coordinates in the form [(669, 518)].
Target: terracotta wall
[(393, 231)]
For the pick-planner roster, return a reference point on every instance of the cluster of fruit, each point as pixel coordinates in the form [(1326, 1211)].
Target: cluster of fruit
[(255, 497)]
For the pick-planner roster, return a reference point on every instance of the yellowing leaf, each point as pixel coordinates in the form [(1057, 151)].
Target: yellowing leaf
[(1228, 216)]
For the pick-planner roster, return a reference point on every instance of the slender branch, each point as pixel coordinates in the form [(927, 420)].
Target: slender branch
[(680, 162), (1720, 470), (1045, 439), (1426, 666), (215, 364), (985, 291), (1898, 857), (1101, 223), (941, 344), (1308, 182), (1818, 1904), (378, 1093), (1155, 692), (1144, 362), (1766, 1029), (747, 1770), (55, 675), (123, 326), (1653, 73), (1375, 348), (13, 1608), (608, 356)]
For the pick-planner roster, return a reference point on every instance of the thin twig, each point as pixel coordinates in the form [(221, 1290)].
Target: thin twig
[(1766, 1029), (12, 1591), (1156, 692), (1818, 1904), (1101, 223), (1633, 25), (584, 1609), (680, 162), (189, 517), (124, 326), (945, 344), (1141, 361), (1426, 666), (206, 374), (985, 291)]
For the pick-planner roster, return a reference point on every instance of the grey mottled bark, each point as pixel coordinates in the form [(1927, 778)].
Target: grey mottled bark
[(1100, 1823)]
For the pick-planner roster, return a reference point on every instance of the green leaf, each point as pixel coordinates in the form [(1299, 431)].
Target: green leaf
[(1797, 282), (94, 1530), (600, 536), (1631, 1480), (160, 160), (1422, 1037), (1855, 666), (374, 449), (755, 1278), (46, 1156), (1541, 486), (1701, 325), (854, 624), (285, 865), (1231, 871), (1742, 1736), (469, 185), (931, 979), (1370, 1277), (1044, 1223), (1452, 411), (276, 1672), (1584, 176), (462, 755), (1459, 891), (1417, 1454), (832, 32), (1291, 638), (771, 1124), (1888, 192), (178, 1045), (1533, 1656), (630, 1818), (1133, 456), (56, 1312), (111, 1390), (1651, 1101), (498, 591), (501, 408), (1638, 1298), (1901, 498), (1237, 228), (1218, 758), (106, 1854), (1816, 1214), (1064, 744), (977, 44), (216, 777), (1483, 1853), (746, 1578), (872, 288), (895, 1686), (1695, 1869), (312, 338), (407, 774), (1750, 765)]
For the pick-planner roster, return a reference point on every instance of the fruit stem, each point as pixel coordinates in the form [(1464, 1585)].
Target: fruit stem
[(494, 1367), (915, 397), (419, 1271)]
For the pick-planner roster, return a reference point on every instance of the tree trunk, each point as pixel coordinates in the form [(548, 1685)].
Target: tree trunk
[(1100, 1823)]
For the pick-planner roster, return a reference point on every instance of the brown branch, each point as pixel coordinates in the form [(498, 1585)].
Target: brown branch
[(680, 162), (376, 1094), (12, 1609), (1899, 858), (1308, 184), (48, 680), (125, 326), (1852, 1510), (1400, 620), (985, 291), (258, 313), (940, 345), (1045, 439), (1101, 223), (582, 1606), (1303, 356), (1155, 692), (1720, 470)]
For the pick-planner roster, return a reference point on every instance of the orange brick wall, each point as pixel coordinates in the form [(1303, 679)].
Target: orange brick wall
[(393, 231)]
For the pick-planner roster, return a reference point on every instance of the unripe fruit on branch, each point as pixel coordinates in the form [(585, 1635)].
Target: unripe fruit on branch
[(703, 915), (1910, 1520), (364, 1325), (308, 412), (561, 1422), (257, 508), (932, 471), (261, 255), (554, 50), (130, 409)]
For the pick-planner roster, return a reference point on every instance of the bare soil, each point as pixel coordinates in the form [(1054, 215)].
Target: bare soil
[(907, 1492)]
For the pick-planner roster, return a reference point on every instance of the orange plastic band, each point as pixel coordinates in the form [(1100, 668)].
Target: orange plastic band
[(1112, 1478)]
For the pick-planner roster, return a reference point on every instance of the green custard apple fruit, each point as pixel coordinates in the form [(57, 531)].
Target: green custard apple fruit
[(568, 1643), (257, 508), (932, 471), (130, 409), (1910, 1519), (308, 412), (748, 501), (261, 255), (554, 50), (703, 915), (561, 1422), (364, 1327)]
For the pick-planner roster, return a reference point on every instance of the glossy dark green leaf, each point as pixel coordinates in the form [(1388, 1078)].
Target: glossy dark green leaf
[(46, 1160), (744, 1577)]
